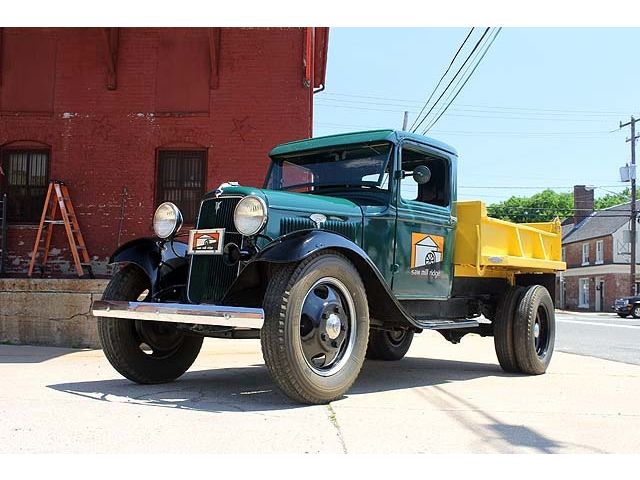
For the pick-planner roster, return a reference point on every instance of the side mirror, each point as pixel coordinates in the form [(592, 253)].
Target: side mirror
[(421, 174)]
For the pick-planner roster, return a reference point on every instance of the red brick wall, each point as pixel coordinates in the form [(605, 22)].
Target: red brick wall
[(574, 251), (616, 285), (103, 141)]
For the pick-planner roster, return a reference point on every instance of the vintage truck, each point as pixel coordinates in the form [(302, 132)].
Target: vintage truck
[(355, 243)]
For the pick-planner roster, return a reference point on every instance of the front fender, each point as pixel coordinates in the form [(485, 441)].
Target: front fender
[(295, 247), (165, 263)]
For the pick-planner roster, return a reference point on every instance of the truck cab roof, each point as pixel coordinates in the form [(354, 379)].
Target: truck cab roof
[(388, 135)]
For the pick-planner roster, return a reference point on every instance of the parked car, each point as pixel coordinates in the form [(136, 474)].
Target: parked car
[(626, 306)]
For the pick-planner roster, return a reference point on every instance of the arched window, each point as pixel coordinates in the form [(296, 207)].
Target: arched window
[(24, 177)]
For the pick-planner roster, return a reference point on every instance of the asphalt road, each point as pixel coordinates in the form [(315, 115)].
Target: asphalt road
[(602, 335)]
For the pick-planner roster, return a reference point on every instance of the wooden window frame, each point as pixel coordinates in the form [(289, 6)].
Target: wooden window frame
[(4, 180), (159, 190)]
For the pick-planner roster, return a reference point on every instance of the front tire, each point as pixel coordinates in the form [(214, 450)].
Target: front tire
[(316, 328), (389, 345), (144, 352), (635, 311)]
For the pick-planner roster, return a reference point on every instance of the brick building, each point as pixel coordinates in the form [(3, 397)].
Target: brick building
[(131, 117), (596, 247)]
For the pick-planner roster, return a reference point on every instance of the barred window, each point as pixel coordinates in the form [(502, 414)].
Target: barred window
[(181, 180), (25, 181)]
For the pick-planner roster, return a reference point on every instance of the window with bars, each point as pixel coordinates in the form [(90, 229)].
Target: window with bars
[(181, 180), (25, 181)]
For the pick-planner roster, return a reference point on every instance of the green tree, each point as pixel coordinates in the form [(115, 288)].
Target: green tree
[(541, 207), (611, 199), (546, 205)]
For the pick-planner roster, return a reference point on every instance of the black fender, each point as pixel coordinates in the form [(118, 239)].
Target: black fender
[(164, 262), (295, 247)]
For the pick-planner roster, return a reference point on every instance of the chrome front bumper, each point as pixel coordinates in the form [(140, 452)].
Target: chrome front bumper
[(181, 313)]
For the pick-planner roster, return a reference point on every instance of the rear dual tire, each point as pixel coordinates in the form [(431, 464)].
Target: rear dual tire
[(524, 330)]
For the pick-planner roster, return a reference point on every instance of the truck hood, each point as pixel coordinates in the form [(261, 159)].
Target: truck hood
[(304, 203), (290, 212)]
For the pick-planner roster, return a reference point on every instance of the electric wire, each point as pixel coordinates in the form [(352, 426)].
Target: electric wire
[(475, 47), (477, 64), (443, 75)]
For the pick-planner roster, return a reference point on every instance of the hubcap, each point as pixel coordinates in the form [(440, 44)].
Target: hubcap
[(327, 326), (333, 326), (541, 332)]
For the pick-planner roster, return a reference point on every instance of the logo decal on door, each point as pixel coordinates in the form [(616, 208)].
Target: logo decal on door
[(427, 253)]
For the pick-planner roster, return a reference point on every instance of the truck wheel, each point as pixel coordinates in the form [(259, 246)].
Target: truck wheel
[(534, 330), (316, 328), (635, 312), (144, 352), (503, 329), (388, 345)]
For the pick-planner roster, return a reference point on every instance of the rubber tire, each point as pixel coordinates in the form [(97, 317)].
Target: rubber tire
[(279, 336), (634, 313), (381, 347), (121, 343), (503, 329), (623, 315), (535, 296)]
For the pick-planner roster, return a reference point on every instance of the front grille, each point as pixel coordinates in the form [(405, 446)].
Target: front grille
[(209, 276), (293, 224)]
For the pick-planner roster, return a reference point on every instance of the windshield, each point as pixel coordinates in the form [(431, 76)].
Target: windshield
[(348, 166)]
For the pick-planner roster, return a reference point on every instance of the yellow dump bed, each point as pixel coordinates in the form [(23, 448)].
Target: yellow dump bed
[(490, 247)]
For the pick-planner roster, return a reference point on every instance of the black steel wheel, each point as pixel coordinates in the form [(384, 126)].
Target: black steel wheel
[(534, 330), (144, 352), (389, 344), (635, 311), (316, 328), (503, 329)]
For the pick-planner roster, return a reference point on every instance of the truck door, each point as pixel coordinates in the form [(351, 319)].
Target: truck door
[(424, 224)]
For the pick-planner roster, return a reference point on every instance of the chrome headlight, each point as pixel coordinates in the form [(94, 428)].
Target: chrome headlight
[(167, 220), (250, 215)]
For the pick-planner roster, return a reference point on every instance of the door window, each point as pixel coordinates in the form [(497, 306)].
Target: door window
[(436, 190)]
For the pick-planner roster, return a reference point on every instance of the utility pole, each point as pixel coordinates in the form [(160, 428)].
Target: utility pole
[(405, 121), (632, 175)]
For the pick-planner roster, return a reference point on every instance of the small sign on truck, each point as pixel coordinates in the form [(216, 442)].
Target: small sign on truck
[(355, 244)]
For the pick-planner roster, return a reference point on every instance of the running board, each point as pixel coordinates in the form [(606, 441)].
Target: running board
[(445, 324)]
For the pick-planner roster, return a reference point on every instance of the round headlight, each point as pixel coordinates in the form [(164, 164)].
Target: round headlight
[(250, 215), (167, 220)]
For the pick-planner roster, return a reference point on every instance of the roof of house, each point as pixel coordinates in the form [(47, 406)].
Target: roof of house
[(598, 224)]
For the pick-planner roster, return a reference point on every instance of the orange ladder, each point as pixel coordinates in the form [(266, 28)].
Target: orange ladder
[(58, 199)]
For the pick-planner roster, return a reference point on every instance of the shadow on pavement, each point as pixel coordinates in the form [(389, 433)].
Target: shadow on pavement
[(31, 353), (251, 389)]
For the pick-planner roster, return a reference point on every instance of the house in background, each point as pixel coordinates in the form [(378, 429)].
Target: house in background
[(596, 247)]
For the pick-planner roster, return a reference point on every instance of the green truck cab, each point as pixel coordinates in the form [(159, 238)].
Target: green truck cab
[(355, 244)]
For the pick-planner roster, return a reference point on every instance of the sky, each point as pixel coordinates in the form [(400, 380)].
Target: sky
[(541, 111)]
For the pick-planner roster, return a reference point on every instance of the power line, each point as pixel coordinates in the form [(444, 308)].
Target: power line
[(420, 102), (475, 47), (465, 82), (443, 75)]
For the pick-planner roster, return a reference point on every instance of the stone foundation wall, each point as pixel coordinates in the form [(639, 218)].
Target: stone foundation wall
[(55, 312)]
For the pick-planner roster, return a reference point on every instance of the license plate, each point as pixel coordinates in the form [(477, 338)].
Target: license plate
[(206, 242)]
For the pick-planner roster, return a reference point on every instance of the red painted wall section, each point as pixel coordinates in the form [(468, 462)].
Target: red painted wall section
[(28, 69), (104, 142)]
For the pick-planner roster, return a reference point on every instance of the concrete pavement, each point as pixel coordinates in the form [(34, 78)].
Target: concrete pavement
[(441, 398)]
